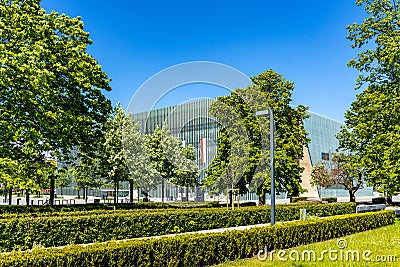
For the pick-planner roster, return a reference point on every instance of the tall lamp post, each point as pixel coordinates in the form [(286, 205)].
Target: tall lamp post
[(262, 113)]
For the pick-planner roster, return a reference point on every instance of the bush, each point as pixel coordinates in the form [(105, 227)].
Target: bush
[(200, 249), (297, 199), (330, 199), (63, 230), (379, 200), (81, 207), (110, 206), (242, 204)]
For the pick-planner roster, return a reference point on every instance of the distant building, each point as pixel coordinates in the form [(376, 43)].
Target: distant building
[(192, 123)]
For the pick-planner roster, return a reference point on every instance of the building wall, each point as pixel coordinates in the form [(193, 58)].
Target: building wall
[(191, 122), (322, 132)]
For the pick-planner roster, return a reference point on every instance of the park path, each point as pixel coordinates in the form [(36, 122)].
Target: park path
[(218, 230)]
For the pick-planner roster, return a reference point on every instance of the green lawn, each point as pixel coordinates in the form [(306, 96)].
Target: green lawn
[(381, 246)]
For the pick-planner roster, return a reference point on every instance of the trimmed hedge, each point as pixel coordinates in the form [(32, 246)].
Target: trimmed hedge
[(298, 199), (379, 200), (330, 199), (23, 209), (77, 213), (91, 206), (23, 233), (200, 249)]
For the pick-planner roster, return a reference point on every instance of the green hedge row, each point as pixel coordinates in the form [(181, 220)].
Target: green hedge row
[(23, 209), (200, 249), (103, 206), (330, 199), (23, 233), (298, 199), (100, 211), (72, 213), (301, 199)]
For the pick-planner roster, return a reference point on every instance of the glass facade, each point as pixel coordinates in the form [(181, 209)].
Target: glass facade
[(321, 131), (192, 123)]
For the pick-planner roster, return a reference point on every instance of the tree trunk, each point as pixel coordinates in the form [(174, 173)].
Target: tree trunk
[(162, 190), (233, 198), (352, 193), (319, 189), (181, 192), (10, 197), (131, 191), (261, 200), (27, 197), (86, 194), (138, 194), (52, 190), (115, 192), (187, 194)]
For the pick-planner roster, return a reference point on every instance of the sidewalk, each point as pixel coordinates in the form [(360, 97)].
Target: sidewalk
[(218, 230)]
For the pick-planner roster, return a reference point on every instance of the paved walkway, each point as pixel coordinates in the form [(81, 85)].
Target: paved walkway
[(219, 230)]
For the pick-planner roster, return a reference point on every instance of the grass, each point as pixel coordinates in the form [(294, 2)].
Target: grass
[(381, 246)]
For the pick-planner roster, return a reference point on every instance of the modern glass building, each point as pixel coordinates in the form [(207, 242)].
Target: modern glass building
[(192, 123), (322, 132)]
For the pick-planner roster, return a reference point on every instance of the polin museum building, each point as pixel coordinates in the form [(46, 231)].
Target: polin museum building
[(192, 123)]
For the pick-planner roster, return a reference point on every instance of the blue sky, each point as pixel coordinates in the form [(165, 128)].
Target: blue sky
[(305, 41)]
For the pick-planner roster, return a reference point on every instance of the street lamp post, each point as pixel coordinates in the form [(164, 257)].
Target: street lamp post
[(262, 113)]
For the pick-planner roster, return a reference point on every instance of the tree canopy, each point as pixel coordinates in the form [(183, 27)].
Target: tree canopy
[(343, 170), (170, 159), (51, 89), (372, 124), (249, 157)]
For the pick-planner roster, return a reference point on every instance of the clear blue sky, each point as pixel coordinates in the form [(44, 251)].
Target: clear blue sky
[(305, 41)]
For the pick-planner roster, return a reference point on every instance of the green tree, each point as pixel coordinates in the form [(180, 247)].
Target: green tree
[(320, 177), (343, 170), (50, 87), (134, 148), (187, 172), (166, 155), (231, 165), (12, 175), (87, 173), (269, 90), (114, 165), (372, 124), (63, 179), (347, 172)]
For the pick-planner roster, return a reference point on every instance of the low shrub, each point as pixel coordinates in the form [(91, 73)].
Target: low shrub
[(330, 199), (379, 200), (200, 249), (82, 207), (297, 199), (110, 206), (22, 233)]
